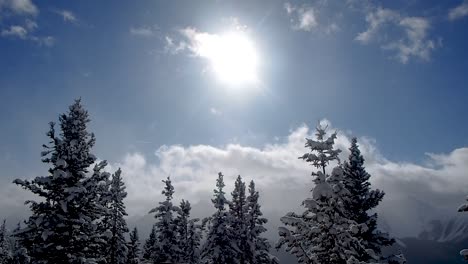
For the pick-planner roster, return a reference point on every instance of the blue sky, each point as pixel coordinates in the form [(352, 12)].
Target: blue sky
[(392, 73)]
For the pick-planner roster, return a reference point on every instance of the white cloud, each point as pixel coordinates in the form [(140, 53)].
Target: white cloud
[(412, 38), (459, 11), (144, 31), (24, 33), (284, 180), (47, 41), (67, 15), (414, 193), (416, 42), (173, 47), (21, 7), (15, 31), (215, 111), (375, 21), (302, 18)]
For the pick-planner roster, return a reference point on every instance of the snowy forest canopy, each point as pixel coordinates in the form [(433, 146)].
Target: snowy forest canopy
[(80, 216)]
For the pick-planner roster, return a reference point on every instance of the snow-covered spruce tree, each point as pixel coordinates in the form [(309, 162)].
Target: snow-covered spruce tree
[(19, 253), (362, 199), (238, 218), (64, 223), (322, 234), (166, 239), (133, 252), (188, 234), (181, 223), (194, 238), (219, 248), (5, 249), (257, 247), (150, 244), (464, 208), (116, 246)]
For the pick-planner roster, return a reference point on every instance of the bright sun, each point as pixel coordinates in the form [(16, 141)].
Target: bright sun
[(233, 58)]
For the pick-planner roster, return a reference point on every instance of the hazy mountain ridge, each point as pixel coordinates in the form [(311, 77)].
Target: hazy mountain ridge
[(454, 229)]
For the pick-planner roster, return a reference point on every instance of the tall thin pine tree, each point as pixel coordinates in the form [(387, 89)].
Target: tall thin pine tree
[(149, 249), (117, 248), (258, 247), (166, 240), (219, 248), (5, 250), (133, 253), (362, 199), (238, 218)]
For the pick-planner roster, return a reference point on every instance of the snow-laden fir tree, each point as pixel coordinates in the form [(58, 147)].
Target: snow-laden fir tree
[(194, 238), (5, 250), (464, 208), (362, 199), (322, 234), (257, 247), (18, 253), (63, 226), (238, 218), (219, 247), (149, 249), (181, 224), (116, 246), (166, 240), (188, 234), (133, 246)]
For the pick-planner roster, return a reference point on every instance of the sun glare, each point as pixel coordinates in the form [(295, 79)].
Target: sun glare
[(234, 59)]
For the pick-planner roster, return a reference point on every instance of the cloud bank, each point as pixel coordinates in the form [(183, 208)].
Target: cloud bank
[(415, 193)]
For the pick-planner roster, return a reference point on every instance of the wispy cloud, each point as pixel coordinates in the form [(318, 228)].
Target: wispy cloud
[(15, 31), (302, 18), (143, 31), (67, 15), (25, 10), (459, 11), (215, 111), (47, 41), (25, 32), (376, 20), (172, 47), (410, 40)]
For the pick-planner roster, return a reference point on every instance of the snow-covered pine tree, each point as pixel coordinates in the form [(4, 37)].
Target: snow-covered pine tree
[(257, 247), (464, 208), (133, 252), (149, 249), (19, 253), (238, 218), (166, 240), (362, 199), (322, 233), (5, 250), (219, 248), (117, 248), (189, 234), (64, 223), (181, 222), (194, 232)]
